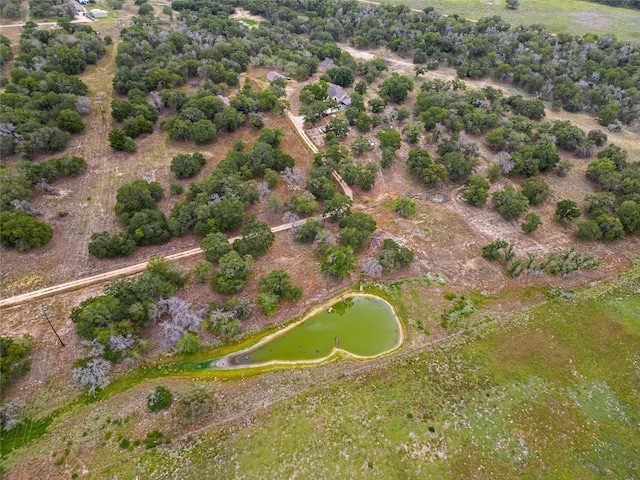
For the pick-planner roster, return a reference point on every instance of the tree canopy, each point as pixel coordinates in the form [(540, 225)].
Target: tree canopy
[(509, 203)]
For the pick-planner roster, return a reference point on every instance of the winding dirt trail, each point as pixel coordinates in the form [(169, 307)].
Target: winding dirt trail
[(298, 122), (103, 277)]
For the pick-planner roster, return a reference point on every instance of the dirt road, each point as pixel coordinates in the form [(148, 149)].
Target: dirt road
[(298, 122), (103, 277)]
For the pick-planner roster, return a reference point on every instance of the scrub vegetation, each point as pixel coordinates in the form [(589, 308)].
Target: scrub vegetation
[(512, 386), (494, 402), (480, 175)]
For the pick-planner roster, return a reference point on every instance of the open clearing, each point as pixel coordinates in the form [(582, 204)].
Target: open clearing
[(547, 391), (446, 235), (575, 17), (526, 387)]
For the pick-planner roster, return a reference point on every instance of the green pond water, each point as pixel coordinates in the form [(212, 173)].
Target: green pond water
[(363, 326)]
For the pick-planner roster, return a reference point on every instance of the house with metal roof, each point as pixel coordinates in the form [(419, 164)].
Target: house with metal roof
[(271, 76)]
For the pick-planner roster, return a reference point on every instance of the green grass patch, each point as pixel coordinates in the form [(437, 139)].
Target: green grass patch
[(559, 16), (549, 394), (23, 434)]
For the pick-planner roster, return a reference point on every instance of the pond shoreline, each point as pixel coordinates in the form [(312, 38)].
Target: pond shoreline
[(228, 362)]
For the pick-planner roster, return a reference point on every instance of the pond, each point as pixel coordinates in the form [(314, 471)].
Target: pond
[(362, 326)]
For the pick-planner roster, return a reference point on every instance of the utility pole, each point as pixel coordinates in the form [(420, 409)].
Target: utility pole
[(99, 102), (49, 322)]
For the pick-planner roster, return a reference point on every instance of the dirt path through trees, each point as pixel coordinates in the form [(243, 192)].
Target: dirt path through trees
[(104, 277)]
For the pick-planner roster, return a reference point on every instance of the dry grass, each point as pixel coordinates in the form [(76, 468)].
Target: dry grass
[(544, 390), (446, 235)]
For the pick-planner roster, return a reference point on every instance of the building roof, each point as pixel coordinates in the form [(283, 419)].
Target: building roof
[(336, 92), (271, 76)]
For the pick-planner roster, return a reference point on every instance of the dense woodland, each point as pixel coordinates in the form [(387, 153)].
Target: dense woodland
[(619, 3), (174, 80), (51, 8), (597, 75), (42, 105)]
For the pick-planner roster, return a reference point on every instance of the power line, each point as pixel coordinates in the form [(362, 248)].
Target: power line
[(44, 312)]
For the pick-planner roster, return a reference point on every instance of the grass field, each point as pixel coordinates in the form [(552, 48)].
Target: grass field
[(549, 393), (559, 16)]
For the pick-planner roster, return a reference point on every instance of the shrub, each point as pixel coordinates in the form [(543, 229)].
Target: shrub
[(118, 140), (393, 256), (611, 227), (301, 204), (271, 177), (134, 126), (566, 210), (17, 229), (598, 137), (215, 245), (600, 203), (477, 190), (148, 227), (194, 406), (256, 121), (307, 232), (563, 168), (269, 303), (176, 188), (137, 195), (494, 172), (189, 343), (531, 223), (629, 215), (153, 439), (186, 166), (202, 271), (405, 207), (159, 398), (105, 245), (388, 157), (145, 9), (232, 274), (457, 165), (536, 190), (588, 230), (49, 170), (357, 229), (572, 260), (510, 203), (203, 132), (492, 251), (70, 121), (14, 357), (339, 262), (256, 238), (275, 287)]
